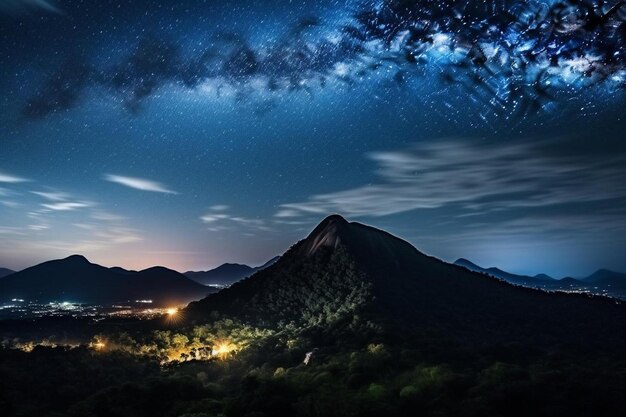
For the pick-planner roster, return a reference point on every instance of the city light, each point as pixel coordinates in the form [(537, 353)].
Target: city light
[(171, 311), (222, 349), (97, 344)]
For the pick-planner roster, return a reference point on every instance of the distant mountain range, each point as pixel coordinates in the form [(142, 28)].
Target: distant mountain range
[(227, 274), (603, 281), (354, 278), (76, 279)]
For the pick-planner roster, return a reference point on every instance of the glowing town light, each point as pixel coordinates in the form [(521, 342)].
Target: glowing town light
[(222, 349), (97, 344), (171, 311)]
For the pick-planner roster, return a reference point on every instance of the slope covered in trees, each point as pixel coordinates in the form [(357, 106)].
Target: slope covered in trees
[(342, 269)]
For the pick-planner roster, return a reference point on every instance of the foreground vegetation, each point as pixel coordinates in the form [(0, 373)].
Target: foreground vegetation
[(262, 374)]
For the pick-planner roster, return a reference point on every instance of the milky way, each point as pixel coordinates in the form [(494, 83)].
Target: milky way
[(514, 58)]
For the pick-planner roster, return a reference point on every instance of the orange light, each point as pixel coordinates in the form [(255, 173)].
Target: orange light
[(222, 349), (171, 311), (98, 345)]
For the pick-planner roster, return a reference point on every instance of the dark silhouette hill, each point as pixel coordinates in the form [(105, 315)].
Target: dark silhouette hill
[(606, 276), (344, 271), (226, 274), (76, 279), (5, 271)]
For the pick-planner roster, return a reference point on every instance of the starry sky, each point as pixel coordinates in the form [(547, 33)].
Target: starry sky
[(192, 133)]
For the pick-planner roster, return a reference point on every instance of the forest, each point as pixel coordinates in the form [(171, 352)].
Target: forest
[(266, 376)]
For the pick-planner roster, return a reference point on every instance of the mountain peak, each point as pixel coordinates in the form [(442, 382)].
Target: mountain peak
[(605, 275), (466, 263), (326, 234), (77, 259), (334, 218)]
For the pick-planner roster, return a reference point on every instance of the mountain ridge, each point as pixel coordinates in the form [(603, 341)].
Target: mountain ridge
[(603, 281), (76, 279), (227, 273)]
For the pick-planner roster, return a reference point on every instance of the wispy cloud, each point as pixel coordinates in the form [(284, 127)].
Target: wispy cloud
[(473, 177), (219, 220), (139, 183), (219, 207), (8, 178), (24, 6), (94, 227), (38, 227), (51, 195), (10, 230), (59, 201), (67, 205)]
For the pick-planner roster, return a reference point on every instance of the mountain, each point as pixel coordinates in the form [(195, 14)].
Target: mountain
[(539, 280), (609, 282), (78, 280), (227, 274), (350, 273), (602, 282), (121, 270), (5, 271), (605, 276)]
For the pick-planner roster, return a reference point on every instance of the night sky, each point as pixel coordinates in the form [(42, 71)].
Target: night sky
[(188, 134)]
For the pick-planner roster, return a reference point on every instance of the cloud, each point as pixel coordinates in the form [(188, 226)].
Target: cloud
[(25, 6), (139, 184), (219, 207), (51, 195), (38, 227), (468, 176), (218, 220), (10, 204), (58, 201), (10, 230), (106, 216), (64, 222), (67, 205), (8, 178), (212, 218)]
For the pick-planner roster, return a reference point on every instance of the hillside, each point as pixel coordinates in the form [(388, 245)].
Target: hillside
[(5, 271), (78, 280), (344, 270)]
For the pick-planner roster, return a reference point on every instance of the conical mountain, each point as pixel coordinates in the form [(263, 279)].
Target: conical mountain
[(346, 269), (606, 276)]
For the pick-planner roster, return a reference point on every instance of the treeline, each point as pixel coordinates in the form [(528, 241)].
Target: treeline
[(263, 380)]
